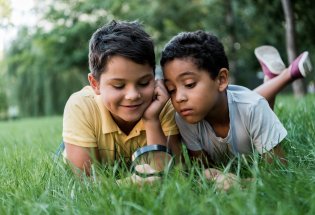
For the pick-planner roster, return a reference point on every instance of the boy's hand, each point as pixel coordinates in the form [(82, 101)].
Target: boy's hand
[(135, 179), (160, 98), (222, 181)]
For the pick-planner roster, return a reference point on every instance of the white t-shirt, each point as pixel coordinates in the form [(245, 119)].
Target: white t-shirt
[(253, 126)]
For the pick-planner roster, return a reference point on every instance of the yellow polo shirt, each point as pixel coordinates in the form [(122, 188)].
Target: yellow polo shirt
[(87, 123)]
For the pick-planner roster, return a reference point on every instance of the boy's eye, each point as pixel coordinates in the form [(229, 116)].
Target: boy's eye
[(118, 86), (190, 85), (170, 90), (144, 83)]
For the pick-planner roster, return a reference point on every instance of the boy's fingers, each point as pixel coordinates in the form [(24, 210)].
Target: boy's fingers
[(135, 179), (212, 173), (140, 181), (145, 168), (225, 181), (160, 87)]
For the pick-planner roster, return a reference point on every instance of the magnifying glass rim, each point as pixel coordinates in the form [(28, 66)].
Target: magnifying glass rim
[(146, 149)]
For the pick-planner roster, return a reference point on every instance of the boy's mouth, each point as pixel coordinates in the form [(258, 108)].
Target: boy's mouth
[(132, 106), (186, 112)]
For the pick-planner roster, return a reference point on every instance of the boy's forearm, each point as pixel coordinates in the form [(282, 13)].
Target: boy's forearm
[(173, 142), (277, 152), (155, 135), (81, 158), (154, 132)]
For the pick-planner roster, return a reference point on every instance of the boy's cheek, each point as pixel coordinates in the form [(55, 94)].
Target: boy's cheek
[(148, 104), (150, 94)]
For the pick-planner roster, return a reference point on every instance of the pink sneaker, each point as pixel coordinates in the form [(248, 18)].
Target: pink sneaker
[(270, 60), (301, 66)]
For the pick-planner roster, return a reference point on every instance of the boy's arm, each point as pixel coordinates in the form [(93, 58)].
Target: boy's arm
[(152, 123), (201, 157), (155, 135), (154, 132), (78, 131), (275, 153), (81, 158), (222, 181), (267, 132), (174, 143)]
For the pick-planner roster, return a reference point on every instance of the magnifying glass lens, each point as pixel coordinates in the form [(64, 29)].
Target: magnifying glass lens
[(152, 163)]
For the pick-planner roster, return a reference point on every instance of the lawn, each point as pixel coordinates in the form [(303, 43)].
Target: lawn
[(32, 182)]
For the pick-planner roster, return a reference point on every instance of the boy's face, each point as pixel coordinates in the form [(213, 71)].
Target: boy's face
[(126, 89), (193, 92)]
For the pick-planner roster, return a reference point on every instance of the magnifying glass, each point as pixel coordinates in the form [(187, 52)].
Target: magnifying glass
[(152, 160)]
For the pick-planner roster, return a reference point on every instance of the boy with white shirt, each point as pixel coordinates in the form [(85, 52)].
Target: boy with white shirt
[(217, 120)]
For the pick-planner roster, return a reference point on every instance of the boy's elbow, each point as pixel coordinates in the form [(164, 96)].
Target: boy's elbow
[(80, 158), (277, 153)]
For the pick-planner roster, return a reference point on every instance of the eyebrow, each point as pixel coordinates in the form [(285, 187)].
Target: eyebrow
[(122, 79), (182, 74)]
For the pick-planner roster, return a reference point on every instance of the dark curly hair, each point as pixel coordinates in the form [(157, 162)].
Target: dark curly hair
[(203, 48), (126, 39)]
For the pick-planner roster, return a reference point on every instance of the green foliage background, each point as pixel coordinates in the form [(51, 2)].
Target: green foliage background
[(45, 64)]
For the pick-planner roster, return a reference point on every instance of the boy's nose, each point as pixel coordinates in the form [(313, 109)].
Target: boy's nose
[(180, 97), (132, 94)]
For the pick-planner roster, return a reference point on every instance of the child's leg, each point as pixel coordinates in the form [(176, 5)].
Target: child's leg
[(270, 88), (272, 65), (275, 81)]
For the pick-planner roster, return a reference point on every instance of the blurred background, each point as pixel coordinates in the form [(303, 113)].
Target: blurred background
[(44, 44)]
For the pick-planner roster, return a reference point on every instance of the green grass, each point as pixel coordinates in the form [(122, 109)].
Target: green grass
[(31, 183)]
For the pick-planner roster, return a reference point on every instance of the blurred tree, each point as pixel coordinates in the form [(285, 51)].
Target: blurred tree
[(46, 64), (50, 64), (230, 25), (3, 100), (296, 23), (5, 13), (298, 85)]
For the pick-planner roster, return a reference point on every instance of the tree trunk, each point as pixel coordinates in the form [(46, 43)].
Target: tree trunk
[(229, 20), (298, 85)]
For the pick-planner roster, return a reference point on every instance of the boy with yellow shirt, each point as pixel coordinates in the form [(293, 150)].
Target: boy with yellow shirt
[(124, 107)]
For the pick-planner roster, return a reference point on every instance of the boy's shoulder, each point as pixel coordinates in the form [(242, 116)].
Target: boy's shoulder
[(242, 95), (86, 91), (85, 99), (83, 105)]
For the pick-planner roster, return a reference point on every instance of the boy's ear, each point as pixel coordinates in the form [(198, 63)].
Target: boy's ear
[(94, 84), (223, 79)]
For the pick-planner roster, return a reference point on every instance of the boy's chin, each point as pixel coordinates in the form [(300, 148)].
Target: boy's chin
[(191, 120), (132, 120)]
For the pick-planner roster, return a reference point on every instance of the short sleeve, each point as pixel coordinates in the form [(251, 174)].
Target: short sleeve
[(79, 121), (167, 118), (266, 130), (189, 134)]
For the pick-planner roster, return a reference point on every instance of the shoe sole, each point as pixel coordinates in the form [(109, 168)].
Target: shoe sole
[(267, 54), (305, 65)]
